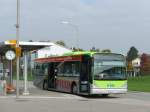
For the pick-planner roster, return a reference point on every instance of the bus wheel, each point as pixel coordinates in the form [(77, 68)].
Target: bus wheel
[(74, 89), (45, 85), (105, 95)]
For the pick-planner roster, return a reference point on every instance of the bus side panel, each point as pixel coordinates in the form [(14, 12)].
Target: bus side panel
[(64, 83)]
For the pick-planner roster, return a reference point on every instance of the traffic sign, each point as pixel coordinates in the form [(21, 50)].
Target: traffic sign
[(18, 51)]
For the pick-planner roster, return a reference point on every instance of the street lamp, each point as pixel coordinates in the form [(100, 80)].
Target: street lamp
[(76, 30), (17, 46)]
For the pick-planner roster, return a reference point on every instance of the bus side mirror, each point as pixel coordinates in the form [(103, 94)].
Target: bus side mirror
[(55, 70)]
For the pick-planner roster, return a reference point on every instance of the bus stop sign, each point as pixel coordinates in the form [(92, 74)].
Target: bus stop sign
[(18, 51)]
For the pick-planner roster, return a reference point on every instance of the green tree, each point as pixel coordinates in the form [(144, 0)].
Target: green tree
[(93, 49), (45, 41), (77, 49), (132, 54), (30, 40), (61, 42), (106, 51)]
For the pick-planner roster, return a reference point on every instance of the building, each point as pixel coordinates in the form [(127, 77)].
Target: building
[(52, 50), (140, 65), (136, 63)]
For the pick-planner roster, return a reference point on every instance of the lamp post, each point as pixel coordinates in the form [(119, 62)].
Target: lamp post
[(17, 46), (76, 30)]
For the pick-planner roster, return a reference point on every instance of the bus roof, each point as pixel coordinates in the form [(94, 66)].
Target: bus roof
[(79, 53), (90, 53), (72, 56)]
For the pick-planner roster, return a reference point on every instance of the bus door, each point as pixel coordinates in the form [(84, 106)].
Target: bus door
[(51, 75), (84, 75)]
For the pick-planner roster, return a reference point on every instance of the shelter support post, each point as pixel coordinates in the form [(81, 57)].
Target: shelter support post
[(25, 91)]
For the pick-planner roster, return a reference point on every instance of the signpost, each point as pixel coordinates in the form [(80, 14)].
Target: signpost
[(10, 55), (17, 47)]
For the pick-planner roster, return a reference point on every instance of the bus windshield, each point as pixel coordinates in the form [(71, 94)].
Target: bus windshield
[(109, 67)]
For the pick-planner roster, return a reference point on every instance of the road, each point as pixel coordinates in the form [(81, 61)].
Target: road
[(48, 101)]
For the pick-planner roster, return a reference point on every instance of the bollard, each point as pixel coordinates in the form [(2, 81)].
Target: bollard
[(4, 88)]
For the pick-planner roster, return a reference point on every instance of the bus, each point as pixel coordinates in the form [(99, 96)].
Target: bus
[(83, 73)]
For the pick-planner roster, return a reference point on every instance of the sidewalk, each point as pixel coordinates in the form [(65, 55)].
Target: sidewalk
[(37, 92)]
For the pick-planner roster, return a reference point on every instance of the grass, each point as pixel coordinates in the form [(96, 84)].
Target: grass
[(29, 77), (139, 84)]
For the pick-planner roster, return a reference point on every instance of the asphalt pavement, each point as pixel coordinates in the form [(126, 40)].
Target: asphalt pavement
[(50, 101)]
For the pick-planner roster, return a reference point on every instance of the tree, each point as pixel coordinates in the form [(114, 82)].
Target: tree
[(30, 40), (145, 64), (45, 41), (106, 51), (61, 42), (94, 49), (132, 54), (77, 49)]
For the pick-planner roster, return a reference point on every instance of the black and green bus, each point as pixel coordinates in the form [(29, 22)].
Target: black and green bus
[(84, 73)]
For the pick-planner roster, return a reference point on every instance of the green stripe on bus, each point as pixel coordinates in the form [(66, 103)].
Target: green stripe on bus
[(110, 83)]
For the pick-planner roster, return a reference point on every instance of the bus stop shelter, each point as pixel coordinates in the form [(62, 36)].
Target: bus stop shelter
[(25, 48)]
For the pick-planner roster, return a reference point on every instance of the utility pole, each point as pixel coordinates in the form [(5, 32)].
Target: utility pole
[(17, 46)]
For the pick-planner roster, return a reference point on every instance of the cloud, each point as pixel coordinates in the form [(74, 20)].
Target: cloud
[(110, 24), (89, 2)]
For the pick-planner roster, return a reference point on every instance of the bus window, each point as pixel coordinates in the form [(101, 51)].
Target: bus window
[(60, 69), (68, 69), (75, 68)]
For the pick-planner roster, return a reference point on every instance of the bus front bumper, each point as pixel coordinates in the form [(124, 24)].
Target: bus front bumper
[(108, 91)]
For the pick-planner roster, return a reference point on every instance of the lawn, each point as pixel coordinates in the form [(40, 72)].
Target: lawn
[(30, 77), (139, 84)]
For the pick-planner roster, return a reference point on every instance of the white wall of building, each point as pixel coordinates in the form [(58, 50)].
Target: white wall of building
[(52, 50), (136, 62)]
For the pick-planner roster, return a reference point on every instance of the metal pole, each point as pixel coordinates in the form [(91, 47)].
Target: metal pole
[(17, 45), (26, 92), (11, 80)]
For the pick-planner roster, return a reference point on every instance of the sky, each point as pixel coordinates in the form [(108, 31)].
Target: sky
[(104, 24)]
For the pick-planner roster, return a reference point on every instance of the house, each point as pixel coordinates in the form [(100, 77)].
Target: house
[(140, 65), (52, 50), (133, 67), (136, 62)]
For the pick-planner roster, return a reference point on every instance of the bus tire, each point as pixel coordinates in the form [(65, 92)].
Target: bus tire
[(45, 85), (105, 95), (74, 89)]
